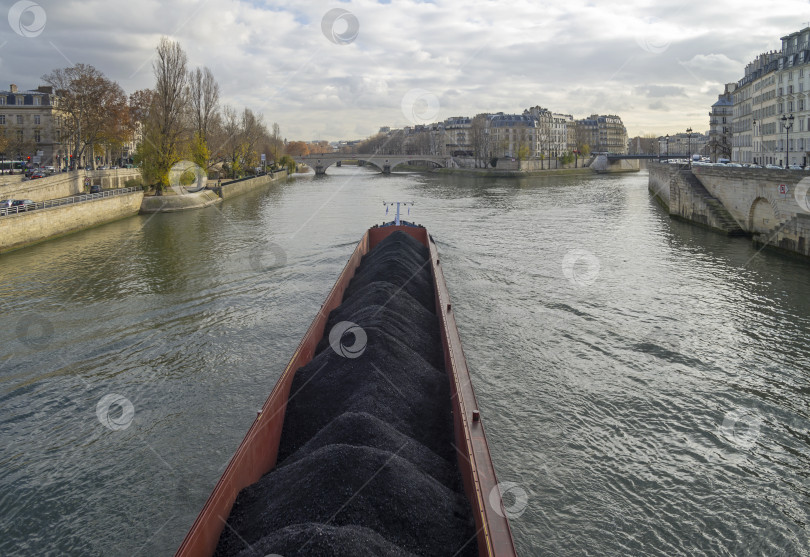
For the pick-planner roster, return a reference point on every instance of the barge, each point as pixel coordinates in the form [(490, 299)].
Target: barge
[(296, 426)]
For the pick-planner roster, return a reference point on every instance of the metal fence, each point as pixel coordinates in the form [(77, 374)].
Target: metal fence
[(4, 211)]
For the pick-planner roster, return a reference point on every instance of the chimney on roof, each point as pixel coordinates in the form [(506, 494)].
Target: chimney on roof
[(13, 88)]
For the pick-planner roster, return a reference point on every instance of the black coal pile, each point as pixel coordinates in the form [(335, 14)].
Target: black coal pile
[(366, 461)]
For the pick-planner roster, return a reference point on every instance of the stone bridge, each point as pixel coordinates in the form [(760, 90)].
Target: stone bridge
[(383, 162), (773, 206)]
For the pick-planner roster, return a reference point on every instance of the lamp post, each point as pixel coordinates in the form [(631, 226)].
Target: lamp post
[(667, 147), (787, 122), (689, 145)]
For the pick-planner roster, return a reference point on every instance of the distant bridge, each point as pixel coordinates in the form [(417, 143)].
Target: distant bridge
[(385, 163), (617, 157)]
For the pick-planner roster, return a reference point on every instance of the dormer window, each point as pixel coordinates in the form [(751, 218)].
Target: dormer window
[(37, 101)]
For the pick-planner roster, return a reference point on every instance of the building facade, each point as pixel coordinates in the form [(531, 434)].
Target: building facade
[(774, 87), (32, 123), (514, 135), (602, 133), (720, 125), (683, 145), (458, 136)]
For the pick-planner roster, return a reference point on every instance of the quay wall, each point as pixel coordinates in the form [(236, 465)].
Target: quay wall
[(65, 184), (772, 206), (233, 189), (28, 228)]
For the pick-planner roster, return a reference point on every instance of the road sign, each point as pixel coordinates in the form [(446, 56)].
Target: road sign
[(87, 181), (40, 153), (783, 189), (264, 157), (36, 160)]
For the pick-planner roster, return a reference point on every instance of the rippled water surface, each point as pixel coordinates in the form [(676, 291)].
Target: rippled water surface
[(644, 382)]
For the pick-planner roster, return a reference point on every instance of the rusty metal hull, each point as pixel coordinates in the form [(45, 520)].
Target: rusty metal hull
[(258, 452)]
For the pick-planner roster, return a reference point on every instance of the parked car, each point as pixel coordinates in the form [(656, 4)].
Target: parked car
[(795, 167), (773, 167), (96, 189), (11, 206), (38, 174)]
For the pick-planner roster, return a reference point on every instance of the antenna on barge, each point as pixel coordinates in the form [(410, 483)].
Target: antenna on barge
[(398, 203)]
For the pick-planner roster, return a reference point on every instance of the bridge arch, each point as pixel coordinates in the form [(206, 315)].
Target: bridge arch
[(763, 215), (384, 163)]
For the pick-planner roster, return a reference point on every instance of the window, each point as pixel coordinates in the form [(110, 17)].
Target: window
[(2, 118), (19, 119), (37, 101), (3, 100), (19, 135), (36, 119), (37, 136), (58, 136)]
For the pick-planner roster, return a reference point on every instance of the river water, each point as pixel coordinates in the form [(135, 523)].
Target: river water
[(645, 384)]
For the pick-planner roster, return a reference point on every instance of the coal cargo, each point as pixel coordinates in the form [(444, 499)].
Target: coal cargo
[(366, 463)]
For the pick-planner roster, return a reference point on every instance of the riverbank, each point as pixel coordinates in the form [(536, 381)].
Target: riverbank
[(771, 206), (88, 211), (172, 202)]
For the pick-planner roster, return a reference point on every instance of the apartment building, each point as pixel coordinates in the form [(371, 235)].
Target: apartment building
[(771, 116)]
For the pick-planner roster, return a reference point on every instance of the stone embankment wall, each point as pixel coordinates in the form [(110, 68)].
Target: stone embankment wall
[(23, 229), (183, 202), (64, 184), (772, 206), (232, 189), (207, 197)]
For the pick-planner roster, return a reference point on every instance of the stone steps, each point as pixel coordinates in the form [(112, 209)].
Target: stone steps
[(720, 214)]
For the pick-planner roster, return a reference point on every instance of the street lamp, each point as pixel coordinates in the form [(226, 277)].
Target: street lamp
[(667, 147), (787, 122), (689, 145)]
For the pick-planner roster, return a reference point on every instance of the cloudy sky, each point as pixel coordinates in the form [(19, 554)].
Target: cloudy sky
[(340, 70)]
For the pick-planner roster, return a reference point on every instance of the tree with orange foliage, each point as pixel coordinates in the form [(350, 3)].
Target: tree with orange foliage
[(297, 149), (319, 147)]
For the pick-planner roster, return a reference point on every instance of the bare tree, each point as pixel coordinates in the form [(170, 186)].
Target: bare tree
[(481, 143), (166, 132), (92, 104), (204, 98)]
